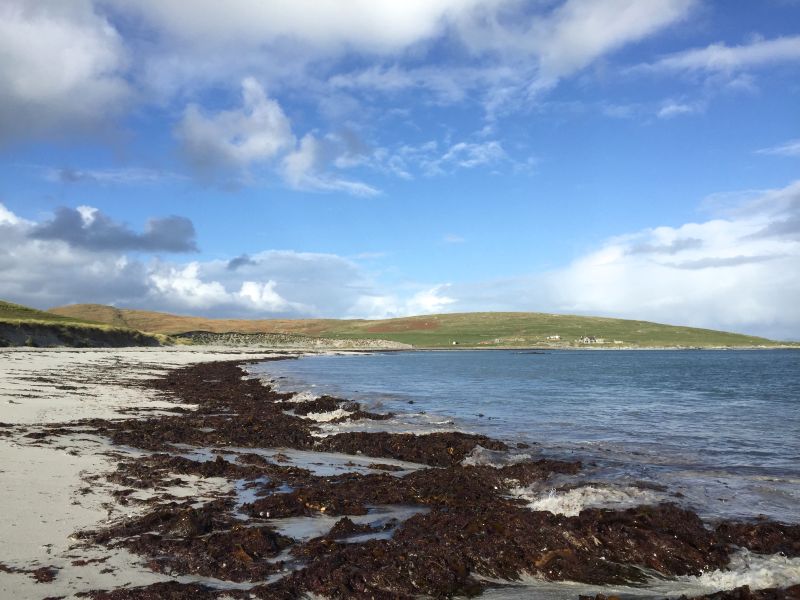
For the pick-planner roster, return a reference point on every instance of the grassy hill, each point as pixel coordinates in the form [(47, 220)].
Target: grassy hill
[(483, 330), (17, 312), (21, 325)]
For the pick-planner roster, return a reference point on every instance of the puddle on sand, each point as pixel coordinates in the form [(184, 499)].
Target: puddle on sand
[(305, 528), (322, 464)]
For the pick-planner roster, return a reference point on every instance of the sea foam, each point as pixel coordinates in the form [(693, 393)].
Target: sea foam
[(572, 501)]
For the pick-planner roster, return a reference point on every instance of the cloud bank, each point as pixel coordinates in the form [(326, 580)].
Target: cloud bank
[(735, 271)]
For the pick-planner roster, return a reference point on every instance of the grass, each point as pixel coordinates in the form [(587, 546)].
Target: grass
[(482, 330), (17, 312), (17, 315)]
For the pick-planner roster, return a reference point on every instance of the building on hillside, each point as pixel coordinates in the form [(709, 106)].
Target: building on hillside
[(553, 338)]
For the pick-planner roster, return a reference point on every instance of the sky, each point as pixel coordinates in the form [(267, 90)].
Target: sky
[(377, 158)]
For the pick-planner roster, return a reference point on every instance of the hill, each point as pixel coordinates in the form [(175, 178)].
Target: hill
[(24, 326), (482, 330)]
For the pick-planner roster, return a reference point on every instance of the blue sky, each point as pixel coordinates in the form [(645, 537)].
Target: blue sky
[(375, 159)]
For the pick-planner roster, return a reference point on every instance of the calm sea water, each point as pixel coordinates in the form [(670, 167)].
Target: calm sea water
[(721, 428)]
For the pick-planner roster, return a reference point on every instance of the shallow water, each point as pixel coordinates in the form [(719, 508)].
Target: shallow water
[(722, 428)]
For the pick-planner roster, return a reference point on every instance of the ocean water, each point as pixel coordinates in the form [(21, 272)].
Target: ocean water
[(718, 431)]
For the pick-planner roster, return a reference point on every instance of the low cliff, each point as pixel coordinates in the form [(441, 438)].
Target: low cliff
[(49, 335)]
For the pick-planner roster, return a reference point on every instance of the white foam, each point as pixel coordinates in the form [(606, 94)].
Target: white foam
[(418, 423), (304, 396), (571, 502), (758, 571), (324, 417), (754, 570), (483, 457)]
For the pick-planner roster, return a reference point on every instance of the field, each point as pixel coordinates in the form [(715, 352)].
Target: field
[(482, 330)]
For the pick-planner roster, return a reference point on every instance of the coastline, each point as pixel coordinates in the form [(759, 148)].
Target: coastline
[(109, 421)]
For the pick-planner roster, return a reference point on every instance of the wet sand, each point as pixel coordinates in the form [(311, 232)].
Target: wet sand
[(160, 474)]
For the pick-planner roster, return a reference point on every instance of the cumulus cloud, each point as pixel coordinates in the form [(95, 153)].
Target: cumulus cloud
[(429, 301), (45, 273), (736, 272), (62, 67), (87, 227), (256, 132), (58, 262), (376, 305), (184, 287), (260, 134)]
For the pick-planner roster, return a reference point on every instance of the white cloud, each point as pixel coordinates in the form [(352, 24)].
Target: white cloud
[(325, 25), (65, 65), (431, 160), (790, 148), (386, 306), (232, 142), (502, 50), (306, 168), (580, 31), (61, 67), (429, 301), (256, 132), (723, 58), (468, 156), (737, 272), (183, 287), (522, 49), (49, 271), (672, 108)]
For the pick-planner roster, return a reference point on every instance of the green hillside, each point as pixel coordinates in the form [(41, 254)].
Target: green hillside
[(17, 312), (482, 330), (24, 326)]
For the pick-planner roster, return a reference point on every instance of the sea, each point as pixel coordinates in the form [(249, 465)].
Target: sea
[(717, 431)]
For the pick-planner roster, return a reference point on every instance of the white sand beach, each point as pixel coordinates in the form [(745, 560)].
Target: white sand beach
[(48, 487)]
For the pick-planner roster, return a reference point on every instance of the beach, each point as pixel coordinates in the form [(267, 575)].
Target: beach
[(172, 473)]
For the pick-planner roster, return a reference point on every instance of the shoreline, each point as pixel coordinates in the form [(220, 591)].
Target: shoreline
[(247, 452)]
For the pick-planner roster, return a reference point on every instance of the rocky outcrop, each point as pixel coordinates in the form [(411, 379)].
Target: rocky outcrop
[(286, 340)]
